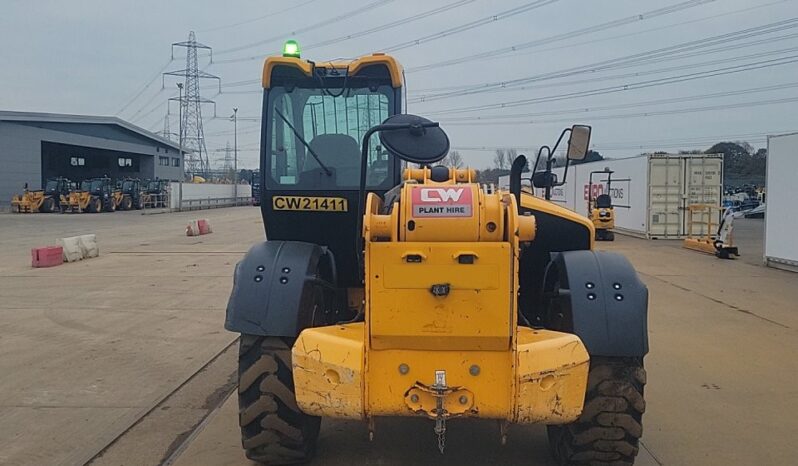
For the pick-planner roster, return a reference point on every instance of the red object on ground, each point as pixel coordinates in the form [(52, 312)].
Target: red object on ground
[(204, 226), (48, 256)]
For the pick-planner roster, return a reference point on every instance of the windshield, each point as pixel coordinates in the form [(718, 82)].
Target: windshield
[(128, 186), (315, 134), (51, 186), (85, 185), (96, 185)]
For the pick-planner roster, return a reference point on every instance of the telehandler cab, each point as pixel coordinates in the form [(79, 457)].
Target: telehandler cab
[(384, 291)]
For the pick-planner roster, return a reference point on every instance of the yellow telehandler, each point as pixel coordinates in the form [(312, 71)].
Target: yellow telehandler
[(419, 292), (45, 200)]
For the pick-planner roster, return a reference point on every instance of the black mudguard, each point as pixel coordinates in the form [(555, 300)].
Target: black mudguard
[(599, 297), (274, 289)]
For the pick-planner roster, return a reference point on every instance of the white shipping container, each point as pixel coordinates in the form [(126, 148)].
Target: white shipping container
[(650, 192), (781, 213)]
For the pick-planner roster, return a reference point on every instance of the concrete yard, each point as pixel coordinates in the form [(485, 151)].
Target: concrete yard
[(123, 359)]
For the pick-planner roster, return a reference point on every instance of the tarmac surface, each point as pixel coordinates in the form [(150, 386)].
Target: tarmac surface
[(123, 359)]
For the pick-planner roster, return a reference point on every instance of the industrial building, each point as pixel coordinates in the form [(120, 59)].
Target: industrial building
[(38, 146)]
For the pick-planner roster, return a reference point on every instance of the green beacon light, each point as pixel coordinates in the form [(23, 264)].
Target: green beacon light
[(291, 49)]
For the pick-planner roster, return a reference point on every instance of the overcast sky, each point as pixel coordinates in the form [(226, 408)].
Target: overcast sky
[(95, 56)]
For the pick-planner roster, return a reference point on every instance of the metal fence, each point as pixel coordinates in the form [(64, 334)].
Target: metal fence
[(212, 203)]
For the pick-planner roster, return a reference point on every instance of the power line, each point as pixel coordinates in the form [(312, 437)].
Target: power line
[(259, 18), (436, 90), (135, 117), (648, 57), (144, 88), (680, 23), (635, 74), (646, 103), (629, 86), (763, 64), (420, 96), (343, 16), (381, 28), (474, 24), (568, 35), (636, 115)]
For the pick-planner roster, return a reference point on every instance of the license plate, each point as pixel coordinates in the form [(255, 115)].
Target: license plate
[(316, 204)]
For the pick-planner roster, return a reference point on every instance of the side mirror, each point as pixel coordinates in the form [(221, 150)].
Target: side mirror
[(579, 142), (544, 179), (418, 142)]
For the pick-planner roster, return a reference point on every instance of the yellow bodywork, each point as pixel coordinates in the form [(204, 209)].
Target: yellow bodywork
[(702, 227), (441, 292), (34, 201), (28, 202), (352, 67), (603, 218), (78, 201)]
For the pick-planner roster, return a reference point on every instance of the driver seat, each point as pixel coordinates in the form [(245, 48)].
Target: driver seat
[(603, 201), (338, 152)]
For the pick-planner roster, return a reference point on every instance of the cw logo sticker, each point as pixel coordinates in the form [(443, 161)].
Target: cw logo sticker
[(441, 194), (442, 202)]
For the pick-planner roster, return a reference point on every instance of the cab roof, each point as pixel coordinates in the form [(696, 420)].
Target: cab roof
[(353, 67)]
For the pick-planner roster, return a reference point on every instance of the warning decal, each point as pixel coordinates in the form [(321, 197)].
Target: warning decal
[(442, 202)]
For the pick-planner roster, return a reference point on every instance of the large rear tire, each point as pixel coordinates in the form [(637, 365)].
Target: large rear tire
[(94, 206), (126, 204), (273, 429), (609, 430), (48, 205)]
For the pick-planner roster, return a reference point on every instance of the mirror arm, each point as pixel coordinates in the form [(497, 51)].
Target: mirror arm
[(564, 174), (361, 194), (537, 159), (559, 140)]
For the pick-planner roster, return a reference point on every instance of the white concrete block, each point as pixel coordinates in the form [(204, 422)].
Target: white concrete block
[(79, 247), (88, 246), (192, 229), (71, 246)]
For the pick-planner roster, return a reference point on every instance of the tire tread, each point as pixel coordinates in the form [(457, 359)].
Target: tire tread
[(609, 430), (273, 429)]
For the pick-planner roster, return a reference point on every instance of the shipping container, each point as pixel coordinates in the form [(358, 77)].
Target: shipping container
[(781, 211), (650, 192)]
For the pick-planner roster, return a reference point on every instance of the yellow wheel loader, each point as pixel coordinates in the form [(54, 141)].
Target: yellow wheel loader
[(43, 200), (418, 292)]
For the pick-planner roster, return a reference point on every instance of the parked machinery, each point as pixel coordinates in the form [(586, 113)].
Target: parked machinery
[(709, 230), (420, 292), (93, 196), (130, 194), (600, 208), (155, 193), (45, 200)]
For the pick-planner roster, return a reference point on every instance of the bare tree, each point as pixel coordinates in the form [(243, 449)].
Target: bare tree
[(453, 160), (499, 160)]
